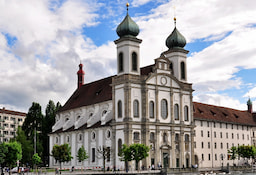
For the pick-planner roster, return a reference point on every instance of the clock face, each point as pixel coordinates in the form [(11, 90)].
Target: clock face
[(163, 80)]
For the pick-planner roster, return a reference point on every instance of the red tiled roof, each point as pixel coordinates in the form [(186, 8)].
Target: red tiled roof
[(5, 111), (223, 114), (95, 92), (91, 93)]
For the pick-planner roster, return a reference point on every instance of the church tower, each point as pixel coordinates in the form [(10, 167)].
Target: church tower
[(128, 49), (177, 54), (80, 76)]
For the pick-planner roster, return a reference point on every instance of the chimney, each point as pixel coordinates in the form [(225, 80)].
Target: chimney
[(249, 105), (80, 76)]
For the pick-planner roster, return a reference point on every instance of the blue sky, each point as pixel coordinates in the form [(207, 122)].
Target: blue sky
[(42, 42)]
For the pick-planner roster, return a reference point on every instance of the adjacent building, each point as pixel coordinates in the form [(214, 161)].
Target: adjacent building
[(217, 130), (9, 122)]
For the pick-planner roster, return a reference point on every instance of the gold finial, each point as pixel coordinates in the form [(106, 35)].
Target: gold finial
[(127, 5), (174, 21)]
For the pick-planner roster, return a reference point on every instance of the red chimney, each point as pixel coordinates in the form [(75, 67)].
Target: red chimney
[(80, 76)]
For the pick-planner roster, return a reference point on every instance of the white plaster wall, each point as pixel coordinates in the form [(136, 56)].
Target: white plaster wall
[(218, 140)]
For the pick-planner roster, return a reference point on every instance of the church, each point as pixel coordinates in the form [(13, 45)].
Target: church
[(151, 105)]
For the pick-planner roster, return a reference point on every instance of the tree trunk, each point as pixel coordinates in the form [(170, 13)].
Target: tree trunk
[(137, 165)]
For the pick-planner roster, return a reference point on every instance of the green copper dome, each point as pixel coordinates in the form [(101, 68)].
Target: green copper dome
[(249, 102), (127, 27), (175, 40)]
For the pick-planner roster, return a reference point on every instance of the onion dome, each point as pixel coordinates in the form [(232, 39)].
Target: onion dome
[(127, 27), (175, 39), (249, 102)]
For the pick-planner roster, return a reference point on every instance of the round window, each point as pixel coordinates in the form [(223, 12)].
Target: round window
[(108, 134), (93, 135)]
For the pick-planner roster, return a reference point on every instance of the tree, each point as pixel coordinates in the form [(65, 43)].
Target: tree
[(48, 122), (14, 153), (32, 126), (62, 153), (104, 152), (232, 153), (135, 152), (138, 152), (3, 151), (125, 155), (36, 159), (26, 145), (81, 154)]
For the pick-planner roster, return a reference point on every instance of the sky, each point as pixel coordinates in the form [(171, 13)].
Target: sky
[(42, 43)]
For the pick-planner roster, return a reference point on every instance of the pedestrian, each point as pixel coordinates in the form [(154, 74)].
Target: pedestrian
[(22, 170)]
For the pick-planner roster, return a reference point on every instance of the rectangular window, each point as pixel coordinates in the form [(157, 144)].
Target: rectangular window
[(201, 123), (220, 125), (214, 125), (243, 136), (208, 133), (202, 156), (237, 136), (208, 124), (214, 134), (215, 145), (220, 134), (202, 144), (6, 118), (108, 154), (202, 133), (216, 156), (227, 135), (221, 145), (232, 135), (93, 154), (227, 146), (209, 156), (209, 145)]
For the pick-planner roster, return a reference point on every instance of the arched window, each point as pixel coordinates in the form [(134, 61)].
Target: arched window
[(152, 136), (182, 69), (186, 138), (135, 108), (176, 112), (119, 109), (151, 109), (164, 109), (120, 62), (119, 143), (186, 113), (134, 62), (171, 68)]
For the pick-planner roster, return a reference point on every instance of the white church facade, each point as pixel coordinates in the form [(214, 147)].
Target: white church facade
[(150, 105)]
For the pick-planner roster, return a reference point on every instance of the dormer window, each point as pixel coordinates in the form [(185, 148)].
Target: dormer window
[(104, 112)]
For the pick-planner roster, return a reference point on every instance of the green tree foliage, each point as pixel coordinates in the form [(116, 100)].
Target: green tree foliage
[(81, 154), (3, 151), (232, 152), (48, 122), (246, 151), (26, 145), (36, 159), (135, 152), (32, 123), (62, 153), (14, 153)]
